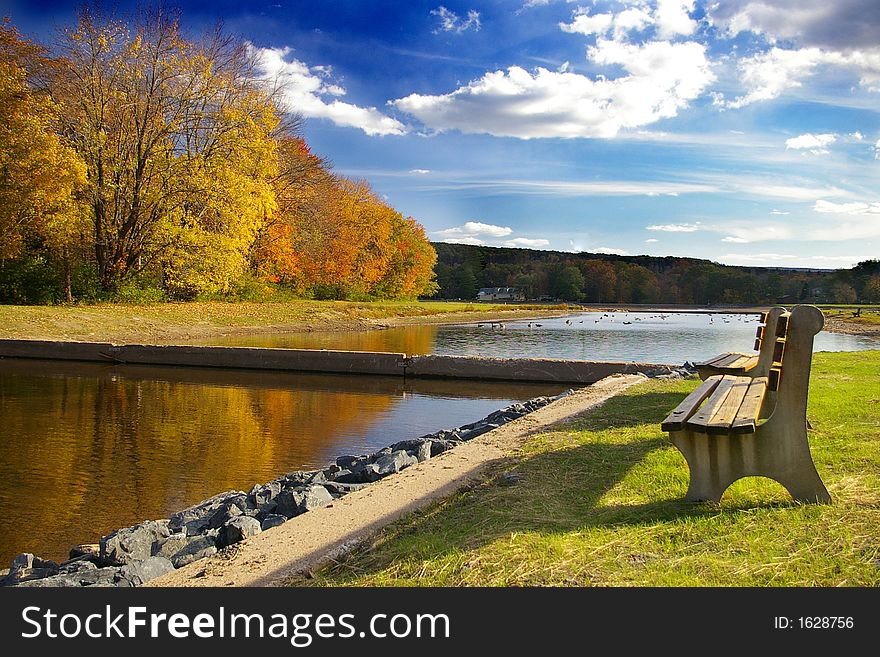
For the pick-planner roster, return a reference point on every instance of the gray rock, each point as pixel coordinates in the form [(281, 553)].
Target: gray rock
[(48, 582), (287, 503), (364, 475), (23, 561), (132, 543), (168, 547), (28, 574), (439, 446), (418, 447), (272, 520), (195, 518), (350, 462), (197, 548), (317, 478), (238, 529), (138, 572), (92, 549), (76, 567), (423, 453), (260, 496), (314, 497), (224, 514), (342, 488), (91, 577), (394, 462)]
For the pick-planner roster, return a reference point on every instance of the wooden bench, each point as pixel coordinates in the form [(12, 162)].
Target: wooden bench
[(718, 429), (752, 364)]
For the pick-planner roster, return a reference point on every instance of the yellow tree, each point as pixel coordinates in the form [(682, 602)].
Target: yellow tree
[(176, 138), (39, 176)]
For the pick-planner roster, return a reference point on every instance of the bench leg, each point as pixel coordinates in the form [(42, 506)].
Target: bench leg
[(715, 462), (709, 478), (786, 458)]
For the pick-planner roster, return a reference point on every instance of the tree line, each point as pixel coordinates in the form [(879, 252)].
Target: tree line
[(596, 278), (139, 162)]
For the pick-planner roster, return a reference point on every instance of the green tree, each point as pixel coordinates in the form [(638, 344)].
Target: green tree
[(567, 283), (871, 290)]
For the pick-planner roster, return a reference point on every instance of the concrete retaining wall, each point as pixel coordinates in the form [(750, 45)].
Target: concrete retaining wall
[(299, 360), (524, 369), (335, 362)]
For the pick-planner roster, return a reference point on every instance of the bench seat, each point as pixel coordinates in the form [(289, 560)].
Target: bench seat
[(735, 363), (722, 404)]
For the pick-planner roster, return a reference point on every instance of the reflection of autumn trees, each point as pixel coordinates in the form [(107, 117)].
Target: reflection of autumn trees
[(85, 448), (137, 157), (411, 340), (108, 451)]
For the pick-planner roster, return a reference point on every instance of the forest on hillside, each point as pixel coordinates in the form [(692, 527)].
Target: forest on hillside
[(598, 278), (141, 163)]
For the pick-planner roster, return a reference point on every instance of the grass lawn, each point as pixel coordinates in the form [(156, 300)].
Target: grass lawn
[(163, 322), (598, 502)]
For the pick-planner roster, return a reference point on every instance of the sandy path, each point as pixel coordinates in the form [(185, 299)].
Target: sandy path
[(305, 542)]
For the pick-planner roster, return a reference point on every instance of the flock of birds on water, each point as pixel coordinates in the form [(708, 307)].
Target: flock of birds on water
[(610, 317)]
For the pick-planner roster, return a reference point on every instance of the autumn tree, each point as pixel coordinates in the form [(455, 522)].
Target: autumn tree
[(600, 280), (335, 238), (39, 175), (176, 139)]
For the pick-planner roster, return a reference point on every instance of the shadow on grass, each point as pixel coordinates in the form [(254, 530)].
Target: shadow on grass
[(557, 492), (628, 410)]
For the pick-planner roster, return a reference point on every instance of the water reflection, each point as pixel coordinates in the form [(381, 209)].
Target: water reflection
[(658, 337), (87, 448)]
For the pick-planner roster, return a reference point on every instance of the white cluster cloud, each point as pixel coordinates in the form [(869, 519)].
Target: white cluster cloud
[(815, 144), (854, 208), (840, 34), (420, 172), (839, 25), (670, 18), (452, 22), (673, 19), (611, 251), (675, 228), (477, 232), (661, 78), (305, 90), (525, 242), (470, 232), (768, 74)]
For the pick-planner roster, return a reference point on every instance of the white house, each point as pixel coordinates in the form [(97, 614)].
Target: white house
[(499, 294)]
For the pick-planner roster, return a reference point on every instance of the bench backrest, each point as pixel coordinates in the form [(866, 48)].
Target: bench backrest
[(765, 340), (792, 355)]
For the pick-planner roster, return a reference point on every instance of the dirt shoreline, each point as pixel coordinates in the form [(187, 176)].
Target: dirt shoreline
[(305, 542)]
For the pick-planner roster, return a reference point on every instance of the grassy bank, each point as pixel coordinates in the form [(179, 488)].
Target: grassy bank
[(597, 502), (181, 322), (853, 318)]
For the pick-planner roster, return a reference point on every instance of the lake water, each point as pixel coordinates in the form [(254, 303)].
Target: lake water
[(648, 337), (88, 448)]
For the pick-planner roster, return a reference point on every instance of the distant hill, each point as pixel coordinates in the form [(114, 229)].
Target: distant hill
[(463, 269)]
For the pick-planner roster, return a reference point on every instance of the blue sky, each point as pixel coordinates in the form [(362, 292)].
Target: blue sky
[(742, 131)]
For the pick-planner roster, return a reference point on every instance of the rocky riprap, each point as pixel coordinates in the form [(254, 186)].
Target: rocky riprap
[(133, 555)]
